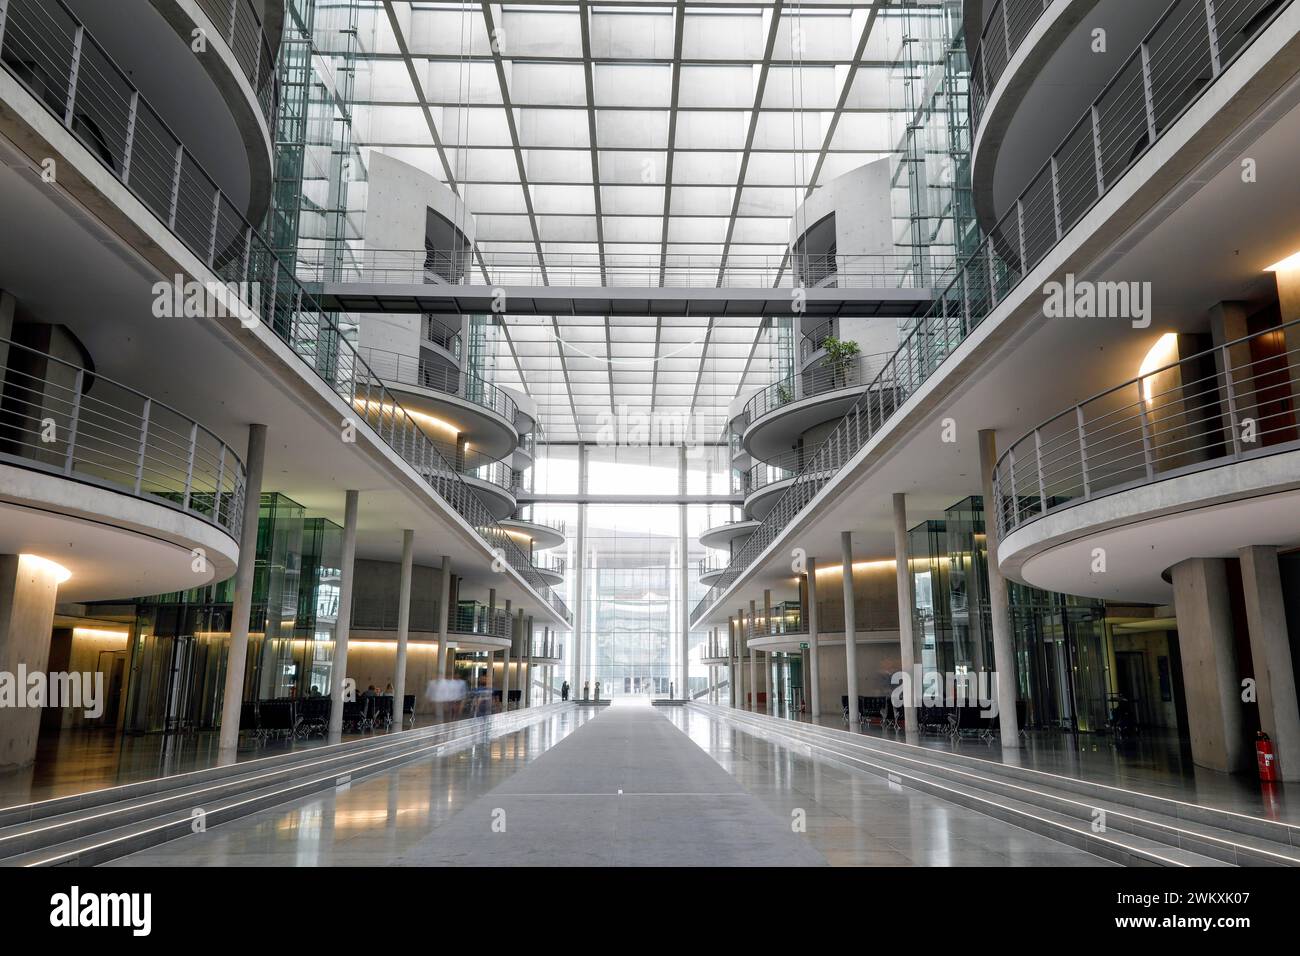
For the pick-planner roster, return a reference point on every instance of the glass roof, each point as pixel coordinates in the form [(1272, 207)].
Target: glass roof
[(623, 133)]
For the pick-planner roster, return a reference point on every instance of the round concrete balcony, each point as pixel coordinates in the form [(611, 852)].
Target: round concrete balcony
[(1183, 462), (127, 494), (491, 479), (711, 568), (720, 537), (1039, 66), (451, 402), (550, 567), (776, 417), (539, 535)]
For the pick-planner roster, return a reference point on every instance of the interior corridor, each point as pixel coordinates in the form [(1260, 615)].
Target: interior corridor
[(625, 785)]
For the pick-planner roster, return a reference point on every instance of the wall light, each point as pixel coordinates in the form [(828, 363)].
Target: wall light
[(1285, 265)]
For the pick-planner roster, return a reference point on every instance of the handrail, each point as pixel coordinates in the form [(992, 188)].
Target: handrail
[(72, 422), (468, 267), (821, 379), (556, 525), (462, 383), (1153, 88), (771, 470), (94, 99), (1007, 26), (813, 339), (241, 28), (1172, 420), (548, 562)]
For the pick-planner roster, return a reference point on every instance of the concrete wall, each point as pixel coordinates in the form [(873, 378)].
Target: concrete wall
[(878, 659)]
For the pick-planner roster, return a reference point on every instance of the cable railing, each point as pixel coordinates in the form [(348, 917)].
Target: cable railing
[(711, 564), (1180, 57), (474, 618), (435, 333), (554, 524), (412, 370), (815, 338), (47, 49), (60, 418), (1220, 405), (674, 270), (551, 563), (770, 471), (241, 27), (822, 378), (1008, 23)]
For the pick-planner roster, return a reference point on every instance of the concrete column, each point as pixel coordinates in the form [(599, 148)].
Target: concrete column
[(850, 626), (1004, 648), (1270, 649), (343, 628), (492, 655), (814, 652), (733, 665), (742, 647), (1230, 321), (528, 654), (517, 649), (906, 645), (505, 657), (29, 589), (403, 625), (1210, 677), (242, 603), (767, 658), (683, 581), (580, 578), (444, 616), (752, 632)]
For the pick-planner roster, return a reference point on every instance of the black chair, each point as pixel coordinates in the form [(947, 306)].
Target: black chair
[(248, 723), (382, 714), (278, 718), (516, 696), (844, 707), (356, 714), (408, 708), (314, 716)]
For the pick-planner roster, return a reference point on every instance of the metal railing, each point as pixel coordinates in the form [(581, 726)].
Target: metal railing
[(241, 27), (774, 469), (474, 464), (815, 338), (544, 561), (1008, 23), (710, 564), (675, 270), (60, 418), (412, 370), (50, 52), (555, 525), (435, 333), (1199, 412), (471, 617), (1180, 57), (820, 379)]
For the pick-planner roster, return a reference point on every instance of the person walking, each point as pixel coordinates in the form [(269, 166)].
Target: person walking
[(564, 691)]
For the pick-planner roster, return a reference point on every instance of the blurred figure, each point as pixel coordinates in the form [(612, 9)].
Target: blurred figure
[(388, 691), (445, 695), (564, 691)]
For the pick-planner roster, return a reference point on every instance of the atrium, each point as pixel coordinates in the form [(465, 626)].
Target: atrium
[(673, 433)]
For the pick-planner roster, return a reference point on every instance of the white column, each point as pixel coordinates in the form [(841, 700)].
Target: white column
[(1004, 648), (767, 657), (1270, 651), (343, 628), (580, 578), (751, 632), (505, 656), (242, 605), (733, 664), (903, 577), (850, 627), (492, 655), (403, 625), (444, 615), (528, 655), (814, 652)]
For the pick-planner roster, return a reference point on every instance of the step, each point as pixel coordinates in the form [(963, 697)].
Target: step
[(121, 820), (1232, 839)]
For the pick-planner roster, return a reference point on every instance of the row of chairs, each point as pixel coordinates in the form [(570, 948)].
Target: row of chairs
[(948, 721), (286, 718)]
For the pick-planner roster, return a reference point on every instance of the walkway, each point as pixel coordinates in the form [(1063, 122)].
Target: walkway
[(695, 792)]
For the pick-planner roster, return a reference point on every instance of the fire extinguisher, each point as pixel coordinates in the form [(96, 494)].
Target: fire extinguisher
[(1265, 757)]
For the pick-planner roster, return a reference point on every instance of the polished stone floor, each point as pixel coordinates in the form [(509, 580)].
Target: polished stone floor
[(626, 785)]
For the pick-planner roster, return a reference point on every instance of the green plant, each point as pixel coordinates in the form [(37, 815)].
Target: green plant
[(784, 395), (839, 357)]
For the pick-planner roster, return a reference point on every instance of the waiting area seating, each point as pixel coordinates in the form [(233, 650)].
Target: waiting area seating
[(288, 718), (967, 721)]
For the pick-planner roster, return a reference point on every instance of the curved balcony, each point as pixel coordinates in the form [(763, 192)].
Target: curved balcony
[(445, 342), (241, 26), (1008, 24), (550, 567), (764, 482), (494, 479), (814, 340), (474, 407), (68, 422), (710, 568), (775, 418), (541, 535), (1233, 404), (720, 537), (1044, 214), (187, 202)]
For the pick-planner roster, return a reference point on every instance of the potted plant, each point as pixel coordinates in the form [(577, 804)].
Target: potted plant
[(839, 357)]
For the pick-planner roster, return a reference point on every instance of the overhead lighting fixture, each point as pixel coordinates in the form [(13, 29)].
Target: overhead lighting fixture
[(46, 566)]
